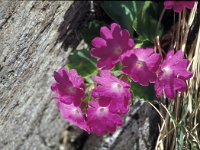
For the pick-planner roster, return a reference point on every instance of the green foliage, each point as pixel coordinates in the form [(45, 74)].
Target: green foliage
[(141, 42), (148, 93), (91, 31), (82, 62), (139, 16), (147, 20), (180, 137), (123, 12)]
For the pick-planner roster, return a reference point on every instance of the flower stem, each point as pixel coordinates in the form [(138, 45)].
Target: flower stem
[(183, 27), (172, 42), (178, 31), (159, 21)]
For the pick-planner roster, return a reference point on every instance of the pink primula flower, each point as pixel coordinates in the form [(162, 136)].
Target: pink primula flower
[(112, 91), (68, 86), (172, 75), (178, 6), (100, 119), (73, 114), (111, 44), (141, 65)]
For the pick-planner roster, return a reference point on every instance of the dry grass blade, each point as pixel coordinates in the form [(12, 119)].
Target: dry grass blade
[(190, 21), (180, 128), (194, 90)]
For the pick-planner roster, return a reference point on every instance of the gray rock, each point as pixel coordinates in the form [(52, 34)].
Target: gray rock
[(32, 34)]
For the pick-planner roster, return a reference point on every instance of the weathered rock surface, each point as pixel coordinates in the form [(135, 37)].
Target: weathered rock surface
[(32, 34)]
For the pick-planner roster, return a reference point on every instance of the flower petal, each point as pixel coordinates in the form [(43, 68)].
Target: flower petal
[(105, 33), (99, 42)]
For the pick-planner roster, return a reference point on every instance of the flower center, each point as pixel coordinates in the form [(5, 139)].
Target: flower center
[(117, 87), (118, 51), (139, 64), (76, 112), (71, 90), (166, 70), (102, 110)]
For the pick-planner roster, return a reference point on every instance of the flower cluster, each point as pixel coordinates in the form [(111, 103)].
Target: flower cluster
[(111, 97), (143, 66), (178, 6), (69, 90), (111, 100)]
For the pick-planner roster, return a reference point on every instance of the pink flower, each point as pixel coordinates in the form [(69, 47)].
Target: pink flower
[(110, 45), (141, 65), (100, 119), (172, 75), (68, 86), (73, 114), (178, 6), (112, 92)]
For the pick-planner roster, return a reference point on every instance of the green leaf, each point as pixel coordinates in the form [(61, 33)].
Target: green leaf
[(147, 20), (140, 42), (123, 12), (180, 137), (139, 16), (116, 73), (148, 93), (91, 31), (82, 62)]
